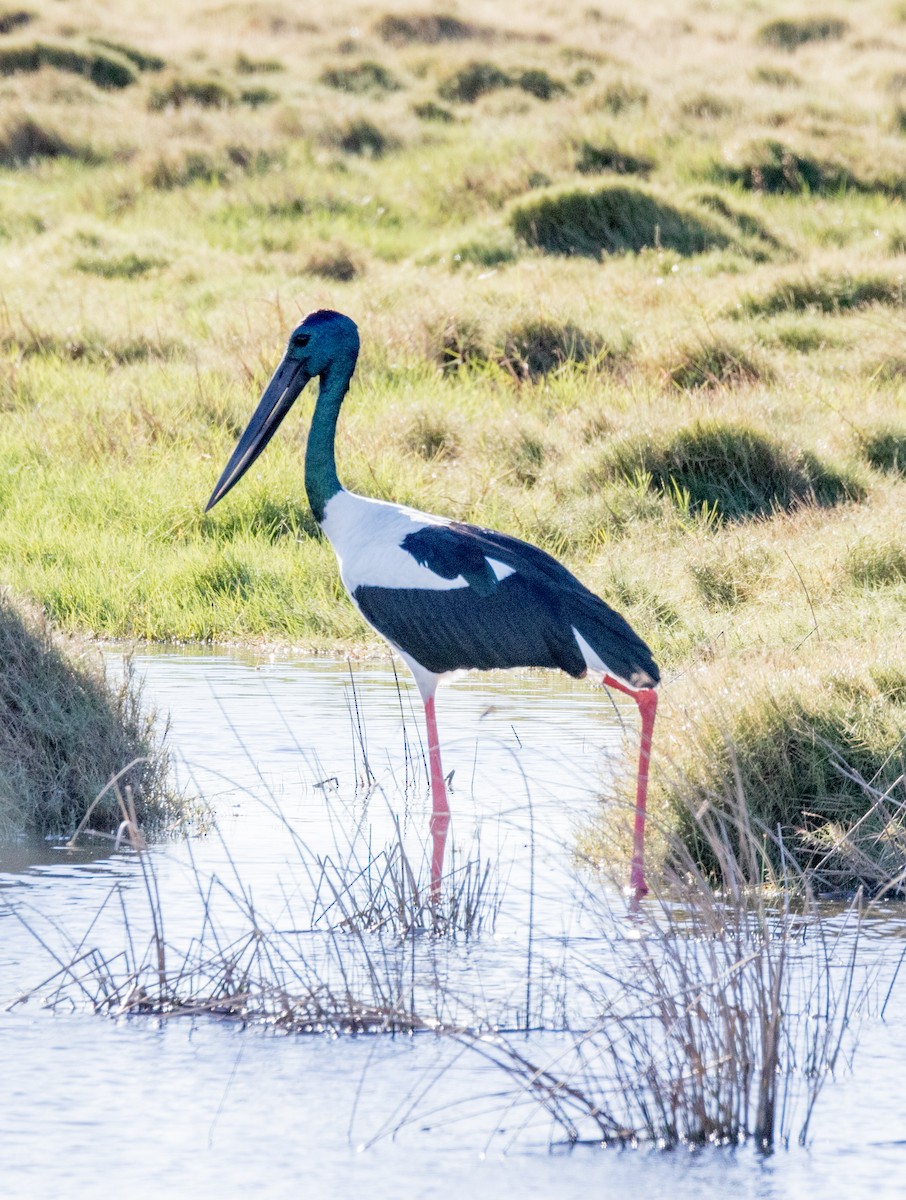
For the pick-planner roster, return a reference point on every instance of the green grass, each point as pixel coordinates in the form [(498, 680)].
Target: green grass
[(641, 309)]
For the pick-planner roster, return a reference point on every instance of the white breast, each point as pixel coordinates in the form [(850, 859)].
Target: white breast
[(367, 535)]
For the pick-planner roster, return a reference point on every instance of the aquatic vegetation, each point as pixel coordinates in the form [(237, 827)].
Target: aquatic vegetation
[(777, 990)]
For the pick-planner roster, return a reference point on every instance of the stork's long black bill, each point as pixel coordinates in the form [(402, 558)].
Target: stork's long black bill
[(288, 381)]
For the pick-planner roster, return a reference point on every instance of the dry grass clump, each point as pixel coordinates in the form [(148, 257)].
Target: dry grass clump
[(178, 92), (361, 79), (14, 18), (714, 363), (791, 33), (181, 166), (610, 220), (432, 436), (730, 577), (66, 731), (716, 1020), (774, 76), (429, 111), (139, 58), (592, 159), (537, 348), (538, 83), (751, 227), (24, 139), (885, 449), (727, 469), (473, 81), (86, 345), (769, 166), (493, 248), (105, 68), (621, 97), (478, 79), (335, 261), (876, 562), (361, 137), (119, 266), (428, 29), (456, 342), (824, 292), (707, 106)]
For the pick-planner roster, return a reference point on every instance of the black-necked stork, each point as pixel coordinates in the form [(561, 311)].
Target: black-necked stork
[(446, 596)]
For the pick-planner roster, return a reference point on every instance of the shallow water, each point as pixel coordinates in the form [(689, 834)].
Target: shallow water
[(203, 1107)]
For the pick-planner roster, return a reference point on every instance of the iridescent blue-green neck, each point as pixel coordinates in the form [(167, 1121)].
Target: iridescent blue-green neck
[(321, 481)]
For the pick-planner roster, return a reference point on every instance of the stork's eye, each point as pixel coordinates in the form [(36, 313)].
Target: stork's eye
[(301, 339)]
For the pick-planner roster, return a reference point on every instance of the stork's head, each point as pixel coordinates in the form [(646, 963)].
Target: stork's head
[(324, 341)]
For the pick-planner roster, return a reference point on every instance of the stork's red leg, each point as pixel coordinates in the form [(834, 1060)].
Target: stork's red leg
[(646, 699), (440, 809)]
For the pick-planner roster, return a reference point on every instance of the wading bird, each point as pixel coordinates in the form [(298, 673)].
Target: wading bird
[(445, 595)]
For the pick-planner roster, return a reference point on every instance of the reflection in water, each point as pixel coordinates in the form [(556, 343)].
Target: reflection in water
[(278, 744)]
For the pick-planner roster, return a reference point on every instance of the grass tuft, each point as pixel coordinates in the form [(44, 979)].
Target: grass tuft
[(203, 93), (774, 76), (706, 106), (431, 436), (491, 249), (790, 34), (818, 759), (363, 138), (105, 68), (429, 111), (593, 159), (124, 266), (824, 292), (427, 29), (65, 732), (610, 220), (728, 578), (871, 562), (139, 58), (730, 470), (776, 169), (715, 363), (458, 342), (363, 79), (334, 261), (12, 19), (538, 348), (538, 83), (473, 81), (622, 97), (24, 140), (885, 449)]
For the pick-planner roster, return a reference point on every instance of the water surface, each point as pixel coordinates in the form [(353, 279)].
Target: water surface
[(204, 1107)]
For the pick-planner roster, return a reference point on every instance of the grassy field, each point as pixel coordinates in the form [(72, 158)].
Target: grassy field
[(630, 285)]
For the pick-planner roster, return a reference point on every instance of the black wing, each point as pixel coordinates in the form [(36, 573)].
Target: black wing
[(525, 619)]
